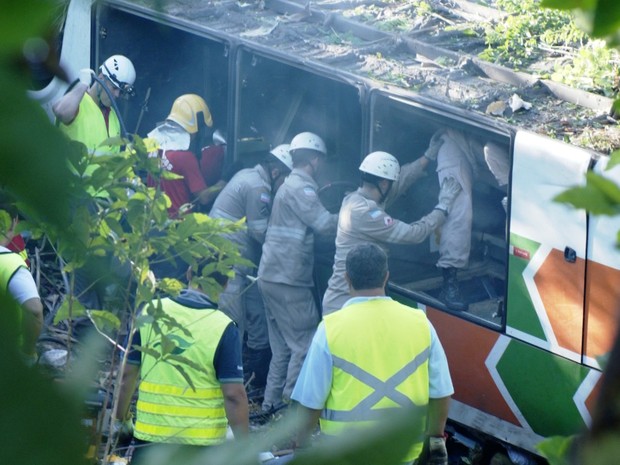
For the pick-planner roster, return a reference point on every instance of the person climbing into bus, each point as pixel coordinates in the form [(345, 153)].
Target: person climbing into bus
[(353, 374), (285, 273), (462, 158), (85, 113), (363, 217), (248, 195), (175, 136)]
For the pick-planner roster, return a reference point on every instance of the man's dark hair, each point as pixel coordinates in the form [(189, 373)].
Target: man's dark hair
[(302, 157), (366, 266)]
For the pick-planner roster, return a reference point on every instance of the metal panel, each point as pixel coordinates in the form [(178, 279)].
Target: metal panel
[(546, 291)]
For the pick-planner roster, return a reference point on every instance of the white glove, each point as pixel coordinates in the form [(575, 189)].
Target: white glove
[(450, 188), (85, 76)]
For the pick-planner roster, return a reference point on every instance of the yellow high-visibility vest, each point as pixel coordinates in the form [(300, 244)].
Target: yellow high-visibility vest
[(89, 127), (380, 350), (168, 409), (11, 311)]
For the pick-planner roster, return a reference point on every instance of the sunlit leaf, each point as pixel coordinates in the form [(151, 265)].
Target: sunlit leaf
[(609, 188), (614, 160), (104, 320), (171, 286), (69, 309), (600, 196), (169, 175), (555, 449), (569, 4)]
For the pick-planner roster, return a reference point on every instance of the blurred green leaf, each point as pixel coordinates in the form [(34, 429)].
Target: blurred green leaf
[(614, 160), (569, 4), (555, 449), (32, 170), (600, 196), (16, 30), (606, 18)]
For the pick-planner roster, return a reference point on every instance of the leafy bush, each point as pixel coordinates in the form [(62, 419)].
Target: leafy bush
[(515, 39), (594, 68)]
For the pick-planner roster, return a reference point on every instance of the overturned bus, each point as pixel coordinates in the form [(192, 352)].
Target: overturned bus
[(541, 283)]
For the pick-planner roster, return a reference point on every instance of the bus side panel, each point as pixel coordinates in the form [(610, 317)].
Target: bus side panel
[(603, 278), (511, 390), (547, 246)]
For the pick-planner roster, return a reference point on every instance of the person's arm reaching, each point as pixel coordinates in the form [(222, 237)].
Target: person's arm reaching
[(32, 322), (66, 108), (437, 416), (236, 407)]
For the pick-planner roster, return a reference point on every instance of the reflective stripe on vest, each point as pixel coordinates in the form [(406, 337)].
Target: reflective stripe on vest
[(380, 351), (364, 410), (168, 409), (89, 127)]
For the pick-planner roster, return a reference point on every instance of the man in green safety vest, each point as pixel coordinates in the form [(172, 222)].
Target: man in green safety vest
[(169, 410), (350, 377), (21, 310), (85, 113)]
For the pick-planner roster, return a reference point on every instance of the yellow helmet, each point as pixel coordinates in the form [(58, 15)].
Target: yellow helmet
[(185, 111)]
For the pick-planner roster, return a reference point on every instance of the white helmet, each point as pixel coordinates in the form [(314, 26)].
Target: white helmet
[(120, 71), (281, 152), (381, 164), (308, 140)]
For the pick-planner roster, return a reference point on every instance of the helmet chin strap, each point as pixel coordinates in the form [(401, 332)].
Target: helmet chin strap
[(383, 194)]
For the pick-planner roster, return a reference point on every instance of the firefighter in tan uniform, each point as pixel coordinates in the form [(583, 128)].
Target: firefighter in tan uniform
[(248, 195), (363, 218), (285, 273)]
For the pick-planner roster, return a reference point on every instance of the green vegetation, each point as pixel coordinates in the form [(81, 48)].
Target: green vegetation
[(515, 39)]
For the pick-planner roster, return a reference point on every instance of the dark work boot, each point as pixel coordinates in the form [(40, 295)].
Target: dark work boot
[(255, 368), (450, 292)]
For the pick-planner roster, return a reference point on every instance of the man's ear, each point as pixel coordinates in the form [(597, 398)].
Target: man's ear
[(387, 277), (348, 280)]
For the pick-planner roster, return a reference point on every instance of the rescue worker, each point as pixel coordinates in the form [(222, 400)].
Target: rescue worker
[(285, 273), (248, 195), (363, 218), (175, 136), (21, 310), (462, 158), (352, 373), (85, 113), (168, 410)]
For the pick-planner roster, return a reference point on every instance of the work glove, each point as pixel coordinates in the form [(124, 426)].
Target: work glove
[(122, 429), (86, 76), (434, 145), (450, 188), (434, 452), (437, 452)]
